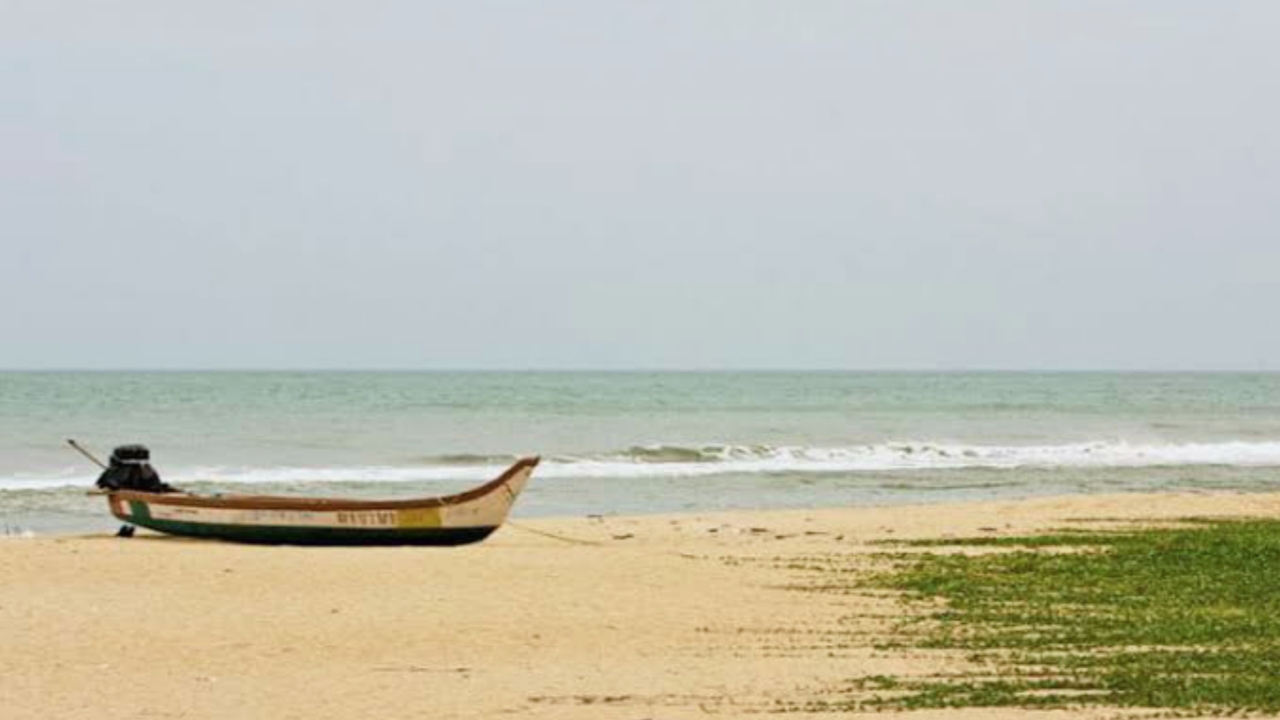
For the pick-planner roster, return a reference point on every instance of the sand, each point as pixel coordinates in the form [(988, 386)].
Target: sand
[(660, 617)]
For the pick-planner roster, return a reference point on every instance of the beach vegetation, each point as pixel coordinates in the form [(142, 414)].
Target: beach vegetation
[(1185, 618)]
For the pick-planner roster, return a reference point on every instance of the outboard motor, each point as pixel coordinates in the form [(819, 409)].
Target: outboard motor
[(130, 469)]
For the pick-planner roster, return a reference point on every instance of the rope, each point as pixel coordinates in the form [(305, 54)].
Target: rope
[(578, 541), (553, 536)]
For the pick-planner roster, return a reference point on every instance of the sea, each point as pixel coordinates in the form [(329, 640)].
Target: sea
[(637, 442)]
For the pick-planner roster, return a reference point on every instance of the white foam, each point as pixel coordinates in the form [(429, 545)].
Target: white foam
[(723, 460), (936, 456), (45, 483)]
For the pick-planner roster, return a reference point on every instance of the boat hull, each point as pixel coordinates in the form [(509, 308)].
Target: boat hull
[(285, 535), (452, 520)]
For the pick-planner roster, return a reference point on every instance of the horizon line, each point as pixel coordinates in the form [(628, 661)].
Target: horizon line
[(645, 370)]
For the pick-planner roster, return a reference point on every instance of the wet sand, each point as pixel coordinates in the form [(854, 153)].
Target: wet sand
[(660, 617)]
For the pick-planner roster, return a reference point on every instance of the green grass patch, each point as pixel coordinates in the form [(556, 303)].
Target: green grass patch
[(1181, 618)]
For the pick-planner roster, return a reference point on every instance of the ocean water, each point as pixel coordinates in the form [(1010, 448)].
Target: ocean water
[(638, 442)]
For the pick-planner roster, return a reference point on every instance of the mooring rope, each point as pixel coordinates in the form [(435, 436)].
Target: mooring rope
[(596, 543), (553, 536)]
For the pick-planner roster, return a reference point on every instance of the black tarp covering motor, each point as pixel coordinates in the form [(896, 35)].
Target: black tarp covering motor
[(130, 469)]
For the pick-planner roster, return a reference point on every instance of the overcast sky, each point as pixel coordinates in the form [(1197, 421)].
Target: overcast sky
[(640, 184)]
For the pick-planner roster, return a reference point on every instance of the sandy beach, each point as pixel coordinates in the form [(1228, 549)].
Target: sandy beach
[(689, 316), (658, 617)]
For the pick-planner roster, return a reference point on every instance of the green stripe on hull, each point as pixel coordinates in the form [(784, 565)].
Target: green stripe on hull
[(284, 535), (139, 510)]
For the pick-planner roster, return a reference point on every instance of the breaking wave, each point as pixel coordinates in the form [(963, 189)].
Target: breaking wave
[(668, 461)]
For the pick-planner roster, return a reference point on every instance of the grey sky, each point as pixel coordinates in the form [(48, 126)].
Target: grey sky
[(843, 184)]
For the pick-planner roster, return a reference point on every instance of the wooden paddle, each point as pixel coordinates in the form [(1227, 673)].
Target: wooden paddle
[(86, 453)]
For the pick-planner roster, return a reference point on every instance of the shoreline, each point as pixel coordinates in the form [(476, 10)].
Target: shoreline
[(91, 517), (653, 616)]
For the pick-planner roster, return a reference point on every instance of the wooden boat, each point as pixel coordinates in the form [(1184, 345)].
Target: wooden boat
[(450, 520)]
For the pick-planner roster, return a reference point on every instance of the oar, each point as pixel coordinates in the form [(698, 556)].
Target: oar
[(86, 453), (89, 455)]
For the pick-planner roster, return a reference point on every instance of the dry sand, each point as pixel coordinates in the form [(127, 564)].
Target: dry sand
[(663, 618)]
